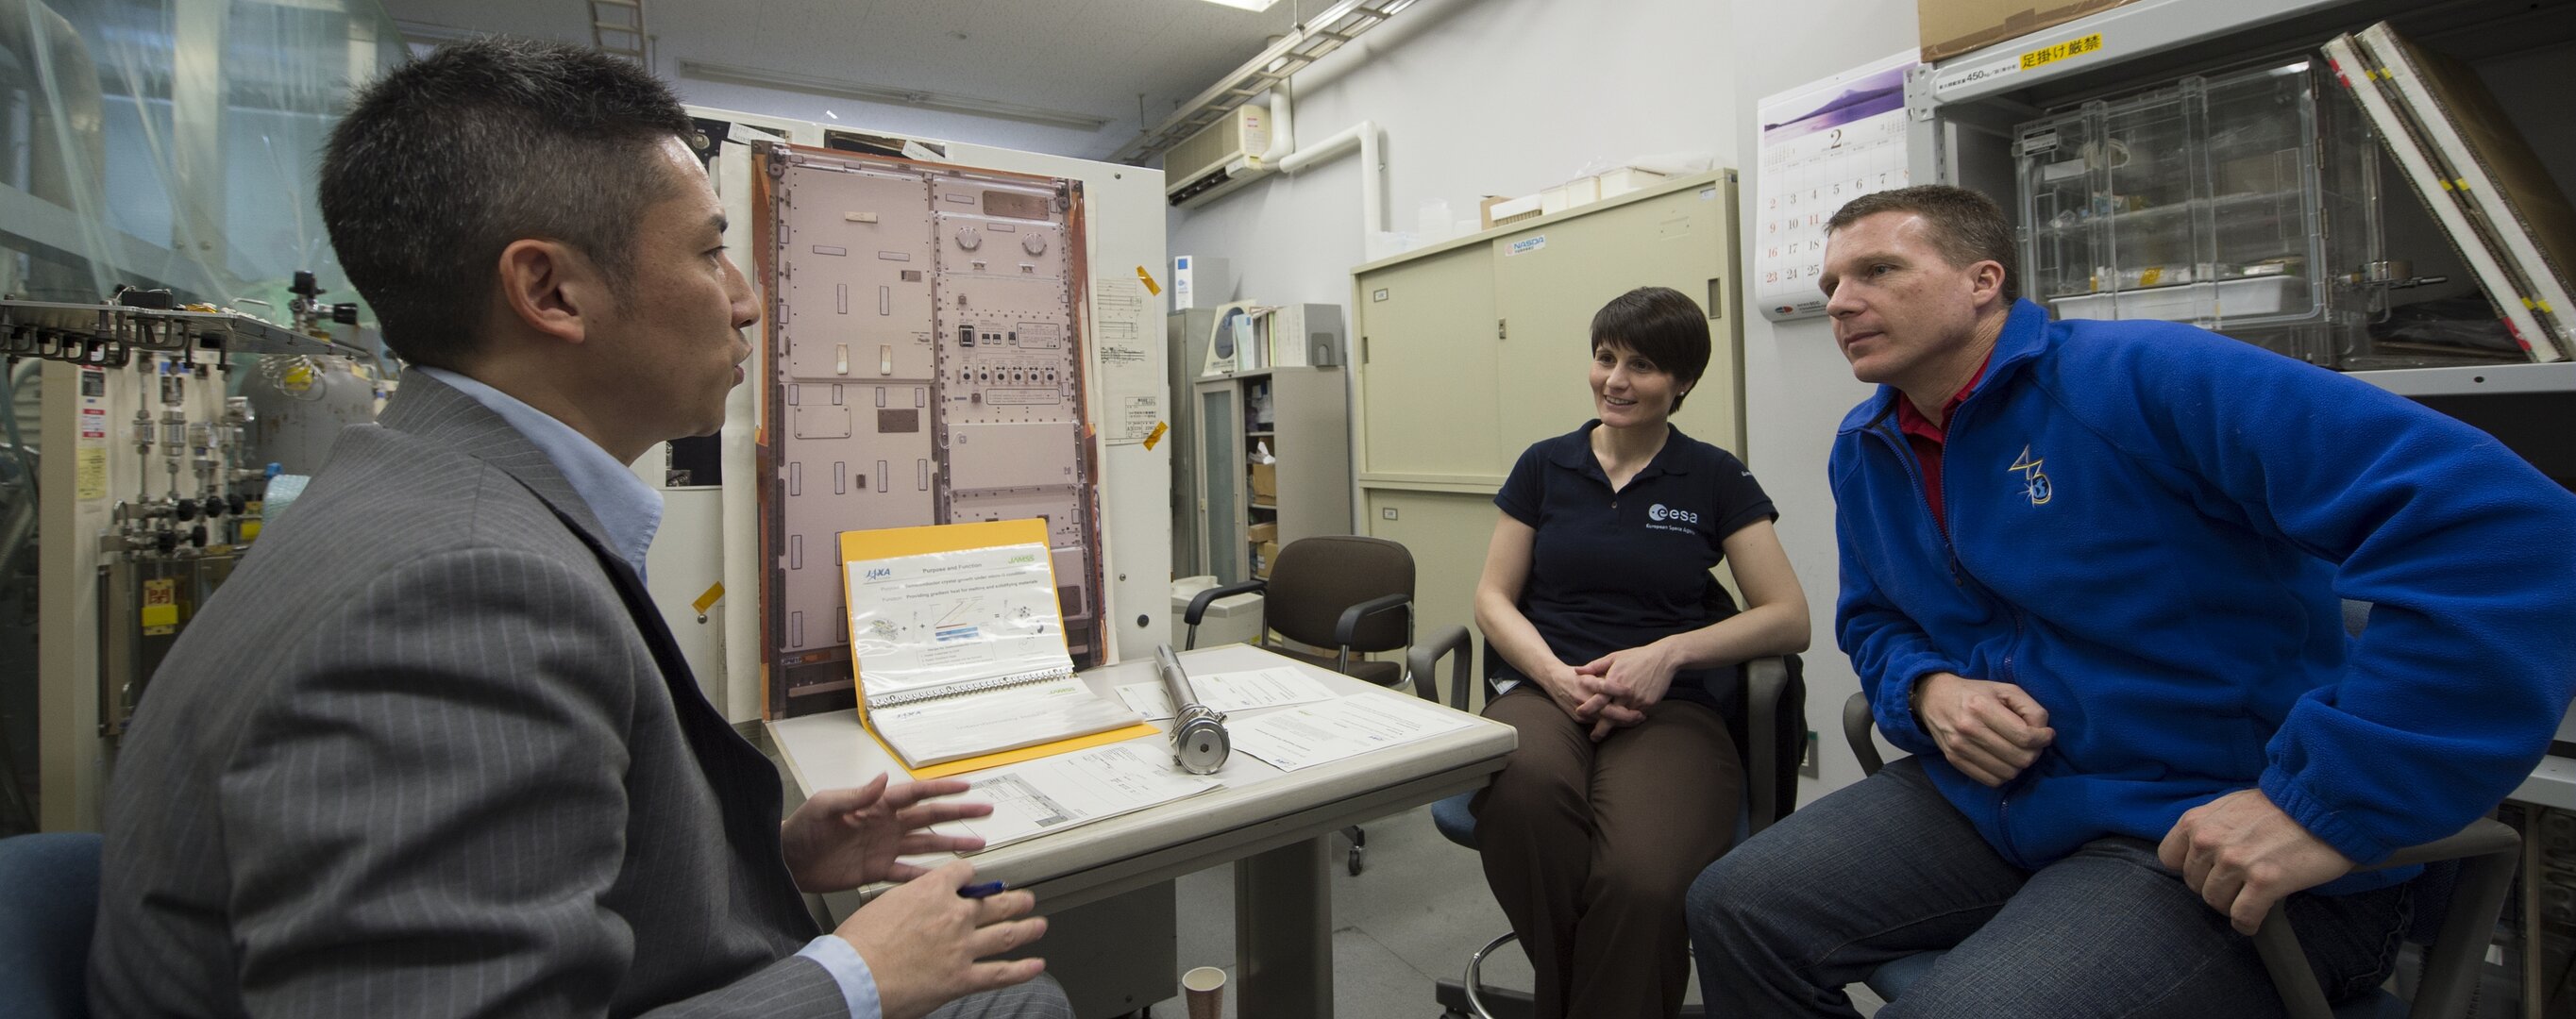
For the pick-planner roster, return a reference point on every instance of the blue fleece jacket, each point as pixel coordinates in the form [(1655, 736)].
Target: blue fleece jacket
[(2149, 527)]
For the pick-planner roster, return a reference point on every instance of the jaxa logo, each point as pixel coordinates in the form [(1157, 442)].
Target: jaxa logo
[(879, 573), (2034, 485), (1660, 513)]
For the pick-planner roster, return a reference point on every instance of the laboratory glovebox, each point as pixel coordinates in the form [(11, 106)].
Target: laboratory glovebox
[(2244, 202), (949, 333)]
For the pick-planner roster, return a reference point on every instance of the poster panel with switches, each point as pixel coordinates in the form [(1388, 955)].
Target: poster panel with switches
[(925, 340)]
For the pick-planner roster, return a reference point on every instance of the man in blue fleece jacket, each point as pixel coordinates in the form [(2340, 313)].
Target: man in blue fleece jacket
[(2091, 579)]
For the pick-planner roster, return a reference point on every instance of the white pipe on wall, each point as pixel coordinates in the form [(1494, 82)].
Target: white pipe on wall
[(1283, 119), (1364, 136)]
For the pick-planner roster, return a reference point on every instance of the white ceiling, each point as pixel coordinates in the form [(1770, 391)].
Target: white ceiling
[(1075, 56)]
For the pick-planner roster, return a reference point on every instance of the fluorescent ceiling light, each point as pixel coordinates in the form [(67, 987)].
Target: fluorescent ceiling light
[(1245, 5), (888, 94)]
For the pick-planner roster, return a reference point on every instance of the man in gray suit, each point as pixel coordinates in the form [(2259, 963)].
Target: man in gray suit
[(431, 750)]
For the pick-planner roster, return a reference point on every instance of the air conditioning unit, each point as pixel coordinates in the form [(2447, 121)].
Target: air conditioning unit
[(1220, 152)]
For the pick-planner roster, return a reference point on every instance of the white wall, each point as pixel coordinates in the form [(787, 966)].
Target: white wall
[(1476, 97), (1509, 96)]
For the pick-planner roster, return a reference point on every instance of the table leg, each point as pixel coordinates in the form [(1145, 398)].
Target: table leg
[(1283, 933)]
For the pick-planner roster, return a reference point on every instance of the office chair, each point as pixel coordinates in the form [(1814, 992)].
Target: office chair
[(1336, 591), (1773, 739), (2475, 864), (51, 883)]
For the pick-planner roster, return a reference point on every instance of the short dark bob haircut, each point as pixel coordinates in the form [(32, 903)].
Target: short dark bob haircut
[(1663, 324)]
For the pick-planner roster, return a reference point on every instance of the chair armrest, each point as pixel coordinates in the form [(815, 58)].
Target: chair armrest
[(1199, 604), (1349, 624), (1857, 723), (2482, 837), (1423, 662), (2489, 850), (1764, 681)]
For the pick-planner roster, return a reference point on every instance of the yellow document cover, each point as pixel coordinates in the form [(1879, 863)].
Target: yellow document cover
[(895, 542)]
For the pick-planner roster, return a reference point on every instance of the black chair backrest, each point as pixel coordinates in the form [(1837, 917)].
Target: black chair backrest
[(50, 882), (1316, 578), (1788, 737)]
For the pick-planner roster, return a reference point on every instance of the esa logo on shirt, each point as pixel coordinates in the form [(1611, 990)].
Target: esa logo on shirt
[(1660, 513)]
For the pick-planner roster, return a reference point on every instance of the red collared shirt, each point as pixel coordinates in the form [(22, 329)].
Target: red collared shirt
[(1926, 438)]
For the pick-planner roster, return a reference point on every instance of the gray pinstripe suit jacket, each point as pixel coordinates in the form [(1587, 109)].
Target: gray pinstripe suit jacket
[(431, 752)]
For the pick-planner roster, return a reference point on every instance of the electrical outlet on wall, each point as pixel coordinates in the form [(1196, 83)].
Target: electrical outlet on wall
[(1807, 764)]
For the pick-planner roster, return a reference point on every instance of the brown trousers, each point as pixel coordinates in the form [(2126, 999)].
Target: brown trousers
[(1590, 847)]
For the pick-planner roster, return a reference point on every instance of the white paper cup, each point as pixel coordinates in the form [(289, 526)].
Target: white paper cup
[(1206, 989)]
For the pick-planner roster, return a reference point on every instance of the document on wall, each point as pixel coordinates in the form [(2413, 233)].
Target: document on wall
[(1051, 794), (1343, 727), (1229, 692), (958, 646), (1821, 145), (1130, 377)]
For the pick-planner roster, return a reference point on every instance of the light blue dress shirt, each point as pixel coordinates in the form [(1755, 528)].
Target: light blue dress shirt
[(631, 511)]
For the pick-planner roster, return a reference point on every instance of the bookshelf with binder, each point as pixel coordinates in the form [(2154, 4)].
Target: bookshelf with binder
[(1273, 465)]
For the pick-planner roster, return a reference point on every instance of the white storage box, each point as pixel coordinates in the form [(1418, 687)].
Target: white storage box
[(2236, 298), (1626, 179), (1572, 194)]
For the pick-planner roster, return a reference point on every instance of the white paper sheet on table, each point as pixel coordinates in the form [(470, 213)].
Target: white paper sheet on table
[(1318, 733), (1049, 794), (1229, 692)]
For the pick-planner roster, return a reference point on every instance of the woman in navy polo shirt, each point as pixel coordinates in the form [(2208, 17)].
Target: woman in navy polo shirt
[(1618, 654)]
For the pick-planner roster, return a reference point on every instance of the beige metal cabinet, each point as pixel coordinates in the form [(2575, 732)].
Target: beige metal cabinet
[(1429, 387), (1546, 294), (1470, 351)]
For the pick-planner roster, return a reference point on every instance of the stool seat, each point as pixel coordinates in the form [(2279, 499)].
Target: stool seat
[(1455, 821)]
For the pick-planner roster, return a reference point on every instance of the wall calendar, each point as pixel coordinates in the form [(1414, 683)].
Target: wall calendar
[(1822, 145)]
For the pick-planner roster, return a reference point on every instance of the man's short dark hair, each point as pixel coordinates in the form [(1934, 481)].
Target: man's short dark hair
[(1661, 323), (1967, 227), (450, 158)]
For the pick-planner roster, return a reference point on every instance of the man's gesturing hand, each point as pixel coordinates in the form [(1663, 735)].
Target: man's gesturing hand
[(921, 941), (843, 838), (2242, 854), (1991, 731)]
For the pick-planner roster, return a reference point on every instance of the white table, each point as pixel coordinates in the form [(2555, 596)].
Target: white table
[(1276, 825)]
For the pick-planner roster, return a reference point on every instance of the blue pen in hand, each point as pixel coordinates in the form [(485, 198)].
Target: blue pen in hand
[(980, 891)]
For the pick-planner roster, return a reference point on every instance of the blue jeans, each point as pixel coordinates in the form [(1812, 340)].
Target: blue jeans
[(1887, 868)]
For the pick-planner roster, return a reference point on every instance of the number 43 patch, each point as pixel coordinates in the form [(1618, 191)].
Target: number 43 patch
[(2034, 485)]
